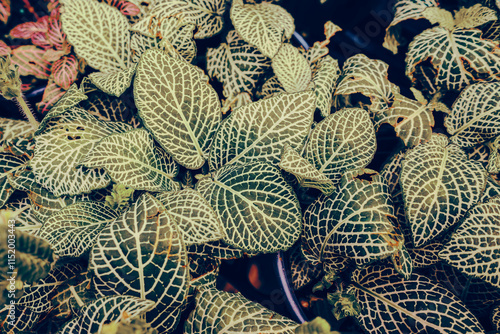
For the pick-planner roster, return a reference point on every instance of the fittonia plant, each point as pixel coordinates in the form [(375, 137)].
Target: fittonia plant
[(140, 179)]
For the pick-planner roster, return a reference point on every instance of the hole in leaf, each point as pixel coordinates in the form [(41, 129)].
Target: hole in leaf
[(365, 177), (80, 128), (145, 3), (399, 120), (74, 137)]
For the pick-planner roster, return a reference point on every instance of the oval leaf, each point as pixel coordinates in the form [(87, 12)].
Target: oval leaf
[(291, 69)]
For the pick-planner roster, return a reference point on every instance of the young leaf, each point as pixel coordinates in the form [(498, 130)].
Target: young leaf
[(439, 185), (304, 171), (60, 147), (73, 230), (475, 116), (325, 78), (178, 106), (474, 16), (104, 310), (195, 218), (98, 32), (440, 16), (258, 209), (65, 71), (342, 141), (291, 69), (132, 160), (390, 305), (263, 25), (361, 74), (474, 247), (113, 83), (259, 130), (9, 164), (224, 312)]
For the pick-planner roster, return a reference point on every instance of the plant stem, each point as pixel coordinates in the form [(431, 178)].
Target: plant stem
[(30, 8), (27, 111)]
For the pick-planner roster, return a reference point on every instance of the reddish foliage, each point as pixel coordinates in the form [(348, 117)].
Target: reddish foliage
[(27, 29), (30, 60), (65, 71), (4, 10), (4, 49), (52, 93)]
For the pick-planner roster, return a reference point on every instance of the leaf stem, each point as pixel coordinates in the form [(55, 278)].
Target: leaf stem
[(26, 110), (77, 297)]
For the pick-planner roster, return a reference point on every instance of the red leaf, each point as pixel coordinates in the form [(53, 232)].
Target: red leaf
[(128, 8), (30, 60), (4, 10), (65, 71), (26, 30), (40, 39), (51, 95), (5, 50), (55, 33)]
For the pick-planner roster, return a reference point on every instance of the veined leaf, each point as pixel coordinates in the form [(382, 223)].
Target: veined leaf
[(11, 129), (224, 312), (24, 321), (65, 71), (302, 271), (64, 299), (216, 249), (460, 57), (131, 159), (325, 78), (439, 185), (30, 60), (271, 87), (237, 65), (51, 95), (61, 146), (263, 25), (494, 159), (495, 318), (98, 32), (474, 247), (291, 69), (342, 141), (104, 310), (233, 102), (73, 230), (195, 218), (391, 305), (9, 164), (440, 16), (354, 224), (142, 254), (178, 106), (405, 10), (474, 16), (259, 130), (491, 190), (26, 219), (113, 83), (258, 209), (475, 116), (304, 171), (361, 74)]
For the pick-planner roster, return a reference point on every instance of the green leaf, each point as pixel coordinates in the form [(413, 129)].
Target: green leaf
[(24, 321), (132, 160), (119, 198), (325, 78), (492, 190), (178, 106), (258, 209), (475, 116), (292, 69), (115, 82), (64, 300), (354, 224), (60, 147), (104, 310), (263, 25), (142, 254), (361, 74), (224, 312), (474, 247), (11, 129), (307, 175), (237, 65), (390, 305), (270, 88), (74, 229), (302, 272), (26, 218), (342, 141), (459, 57), (8, 164), (98, 32), (216, 249), (439, 185), (344, 304), (316, 326), (197, 221), (494, 159), (259, 130), (495, 317)]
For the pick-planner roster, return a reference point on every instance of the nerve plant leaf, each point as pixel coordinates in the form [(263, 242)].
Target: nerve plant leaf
[(361, 74), (98, 32), (65, 71), (258, 209), (30, 60), (74, 229), (474, 247), (113, 83), (178, 106), (302, 271), (494, 159), (9, 164), (390, 305), (142, 254), (259, 130), (131, 159), (342, 141), (223, 312), (60, 147), (263, 25), (439, 185), (10, 129), (216, 249), (304, 171), (354, 224), (194, 216), (325, 76), (495, 318), (104, 310), (291, 69), (475, 116)]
